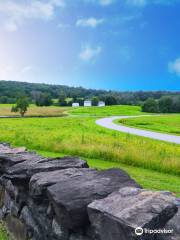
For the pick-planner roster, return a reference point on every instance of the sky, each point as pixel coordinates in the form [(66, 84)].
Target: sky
[(103, 44)]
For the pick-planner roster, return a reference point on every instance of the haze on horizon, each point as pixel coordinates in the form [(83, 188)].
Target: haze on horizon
[(102, 44)]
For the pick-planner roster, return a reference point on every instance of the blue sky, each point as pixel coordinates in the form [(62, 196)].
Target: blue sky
[(106, 44)]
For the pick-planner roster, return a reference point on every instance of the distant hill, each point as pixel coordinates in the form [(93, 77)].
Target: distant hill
[(10, 90), (13, 89)]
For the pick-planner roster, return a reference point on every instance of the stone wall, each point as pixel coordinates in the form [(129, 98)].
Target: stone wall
[(63, 199)]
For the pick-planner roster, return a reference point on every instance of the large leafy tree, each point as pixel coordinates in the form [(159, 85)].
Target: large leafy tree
[(21, 106), (150, 105), (166, 105)]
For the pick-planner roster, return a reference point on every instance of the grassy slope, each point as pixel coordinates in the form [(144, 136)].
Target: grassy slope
[(81, 136), (5, 110), (166, 123)]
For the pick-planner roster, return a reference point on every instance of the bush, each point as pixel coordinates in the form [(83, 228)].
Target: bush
[(150, 105)]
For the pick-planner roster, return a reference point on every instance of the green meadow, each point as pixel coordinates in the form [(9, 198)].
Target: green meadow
[(154, 164), (166, 123), (106, 111)]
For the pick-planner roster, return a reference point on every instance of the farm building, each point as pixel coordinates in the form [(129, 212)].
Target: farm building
[(101, 104), (75, 104), (87, 103)]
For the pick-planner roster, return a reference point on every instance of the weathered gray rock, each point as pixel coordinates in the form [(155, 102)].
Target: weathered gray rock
[(58, 231), (20, 159), (174, 224), (71, 196), (42, 199), (77, 236), (123, 211), (6, 206), (31, 225), (40, 181), (26, 169)]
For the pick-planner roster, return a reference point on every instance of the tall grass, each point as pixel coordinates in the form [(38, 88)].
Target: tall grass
[(5, 110), (81, 136)]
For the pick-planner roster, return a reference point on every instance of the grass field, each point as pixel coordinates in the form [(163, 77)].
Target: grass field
[(5, 110), (106, 111), (81, 136), (153, 164), (166, 123)]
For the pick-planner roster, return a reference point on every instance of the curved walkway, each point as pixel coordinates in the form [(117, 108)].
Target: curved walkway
[(108, 123)]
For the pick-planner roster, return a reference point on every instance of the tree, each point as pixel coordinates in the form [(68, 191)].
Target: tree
[(176, 105), (165, 104), (3, 99), (62, 98), (47, 100), (150, 105), (43, 99), (21, 106), (79, 100), (110, 100), (95, 101)]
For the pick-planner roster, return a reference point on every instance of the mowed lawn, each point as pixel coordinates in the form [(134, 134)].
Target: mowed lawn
[(33, 111), (166, 123), (107, 111)]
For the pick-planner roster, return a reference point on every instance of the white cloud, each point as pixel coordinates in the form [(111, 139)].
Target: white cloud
[(89, 54), (16, 13), (89, 22), (101, 2), (174, 66)]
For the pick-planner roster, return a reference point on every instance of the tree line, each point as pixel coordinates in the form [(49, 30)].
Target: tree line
[(44, 94), (164, 105)]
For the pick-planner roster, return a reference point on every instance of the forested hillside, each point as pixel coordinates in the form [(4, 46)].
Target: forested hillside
[(11, 90)]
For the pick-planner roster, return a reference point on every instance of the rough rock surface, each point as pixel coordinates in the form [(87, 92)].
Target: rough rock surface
[(40, 181), (129, 208), (42, 199), (26, 169), (174, 224), (71, 196)]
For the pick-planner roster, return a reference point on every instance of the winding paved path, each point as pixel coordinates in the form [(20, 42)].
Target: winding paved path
[(108, 123)]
